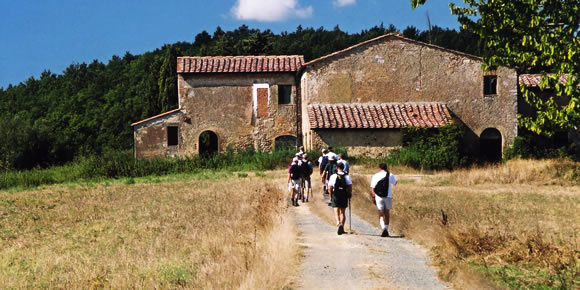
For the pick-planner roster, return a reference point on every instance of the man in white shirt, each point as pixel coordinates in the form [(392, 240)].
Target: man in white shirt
[(340, 191), (343, 161), (382, 189)]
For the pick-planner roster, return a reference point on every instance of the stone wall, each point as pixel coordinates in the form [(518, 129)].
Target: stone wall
[(394, 69), (368, 142), (227, 105), (151, 137)]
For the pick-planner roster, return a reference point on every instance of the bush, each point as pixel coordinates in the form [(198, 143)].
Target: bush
[(430, 148), (531, 146)]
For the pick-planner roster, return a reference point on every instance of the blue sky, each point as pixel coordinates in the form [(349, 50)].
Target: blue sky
[(38, 35)]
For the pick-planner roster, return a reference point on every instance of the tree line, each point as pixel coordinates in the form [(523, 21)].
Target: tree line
[(88, 108)]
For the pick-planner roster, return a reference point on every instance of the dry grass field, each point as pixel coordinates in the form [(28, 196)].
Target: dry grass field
[(515, 225), (232, 232)]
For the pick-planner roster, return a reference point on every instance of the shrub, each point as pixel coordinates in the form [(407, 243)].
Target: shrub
[(430, 148), (529, 145)]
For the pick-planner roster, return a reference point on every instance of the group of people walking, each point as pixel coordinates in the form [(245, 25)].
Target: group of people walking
[(334, 171)]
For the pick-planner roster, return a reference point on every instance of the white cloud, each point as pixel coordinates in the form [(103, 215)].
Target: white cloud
[(342, 3), (270, 10)]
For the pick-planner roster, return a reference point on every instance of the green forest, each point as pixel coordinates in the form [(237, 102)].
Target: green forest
[(87, 109)]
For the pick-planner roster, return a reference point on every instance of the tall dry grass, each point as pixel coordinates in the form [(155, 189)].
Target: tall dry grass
[(192, 234), (513, 225)]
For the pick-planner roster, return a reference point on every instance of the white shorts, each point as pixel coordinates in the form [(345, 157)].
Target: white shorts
[(296, 183), (383, 202)]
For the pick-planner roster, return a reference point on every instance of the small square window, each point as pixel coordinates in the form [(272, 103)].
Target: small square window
[(489, 85), (172, 136), (284, 94)]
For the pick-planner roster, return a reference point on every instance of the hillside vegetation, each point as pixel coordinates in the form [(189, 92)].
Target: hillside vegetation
[(211, 233), (88, 108)]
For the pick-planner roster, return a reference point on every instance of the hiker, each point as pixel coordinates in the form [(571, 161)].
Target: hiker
[(300, 150), (306, 169), (294, 181), (298, 157), (382, 189), (322, 160), (343, 161), (340, 189), (329, 170), (331, 153)]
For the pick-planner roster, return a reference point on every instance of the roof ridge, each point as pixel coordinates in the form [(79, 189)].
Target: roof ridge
[(396, 35)]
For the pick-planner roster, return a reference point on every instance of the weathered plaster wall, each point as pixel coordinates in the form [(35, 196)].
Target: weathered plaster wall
[(397, 70), (151, 137), (224, 104), (369, 142)]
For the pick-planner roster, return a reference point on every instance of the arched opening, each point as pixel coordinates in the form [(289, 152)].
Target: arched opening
[(208, 142), (490, 145), (284, 142)]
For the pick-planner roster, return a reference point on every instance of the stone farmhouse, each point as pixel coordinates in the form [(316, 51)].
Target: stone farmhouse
[(358, 98)]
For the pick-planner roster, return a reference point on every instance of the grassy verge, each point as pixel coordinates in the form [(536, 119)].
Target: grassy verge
[(122, 165), (194, 233), (513, 225)]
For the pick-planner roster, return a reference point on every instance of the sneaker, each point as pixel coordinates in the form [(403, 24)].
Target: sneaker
[(340, 230), (329, 204), (385, 234)]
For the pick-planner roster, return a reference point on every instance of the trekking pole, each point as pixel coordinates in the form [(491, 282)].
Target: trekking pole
[(349, 216)]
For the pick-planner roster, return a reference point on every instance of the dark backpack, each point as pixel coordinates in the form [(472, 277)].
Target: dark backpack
[(306, 168), (323, 163), (295, 171), (340, 189), (382, 187)]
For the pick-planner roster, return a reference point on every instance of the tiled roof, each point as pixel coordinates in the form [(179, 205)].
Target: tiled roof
[(157, 116), (533, 80), (388, 115), (239, 64)]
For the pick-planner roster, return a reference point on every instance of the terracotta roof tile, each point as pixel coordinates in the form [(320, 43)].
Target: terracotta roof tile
[(381, 116), (230, 64), (533, 80)]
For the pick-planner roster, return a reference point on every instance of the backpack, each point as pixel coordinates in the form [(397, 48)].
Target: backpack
[(295, 171), (382, 187), (323, 162), (340, 189), (306, 168)]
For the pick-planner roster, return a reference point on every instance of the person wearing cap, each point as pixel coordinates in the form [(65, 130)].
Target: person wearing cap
[(329, 170), (343, 161), (340, 190)]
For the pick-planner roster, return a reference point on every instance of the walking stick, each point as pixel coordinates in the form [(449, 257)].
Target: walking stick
[(349, 217)]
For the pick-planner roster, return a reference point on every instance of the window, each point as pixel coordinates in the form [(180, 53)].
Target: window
[(284, 94), (172, 136), (489, 85)]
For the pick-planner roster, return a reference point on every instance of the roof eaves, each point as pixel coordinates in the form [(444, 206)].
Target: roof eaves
[(156, 116)]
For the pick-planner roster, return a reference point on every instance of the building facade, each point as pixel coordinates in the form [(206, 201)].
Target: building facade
[(357, 98)]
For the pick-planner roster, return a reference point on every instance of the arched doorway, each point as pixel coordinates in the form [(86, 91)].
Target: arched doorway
[(490, 145), (208, 142), (284, 142)]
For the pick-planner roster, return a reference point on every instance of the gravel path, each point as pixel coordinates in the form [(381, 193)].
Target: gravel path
[(360, 260)]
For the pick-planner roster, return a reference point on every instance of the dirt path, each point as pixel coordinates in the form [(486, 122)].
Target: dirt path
[(359, 260)]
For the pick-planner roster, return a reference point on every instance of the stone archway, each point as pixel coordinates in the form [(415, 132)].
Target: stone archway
[(208, 142), (490, 144), (285, 142)]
